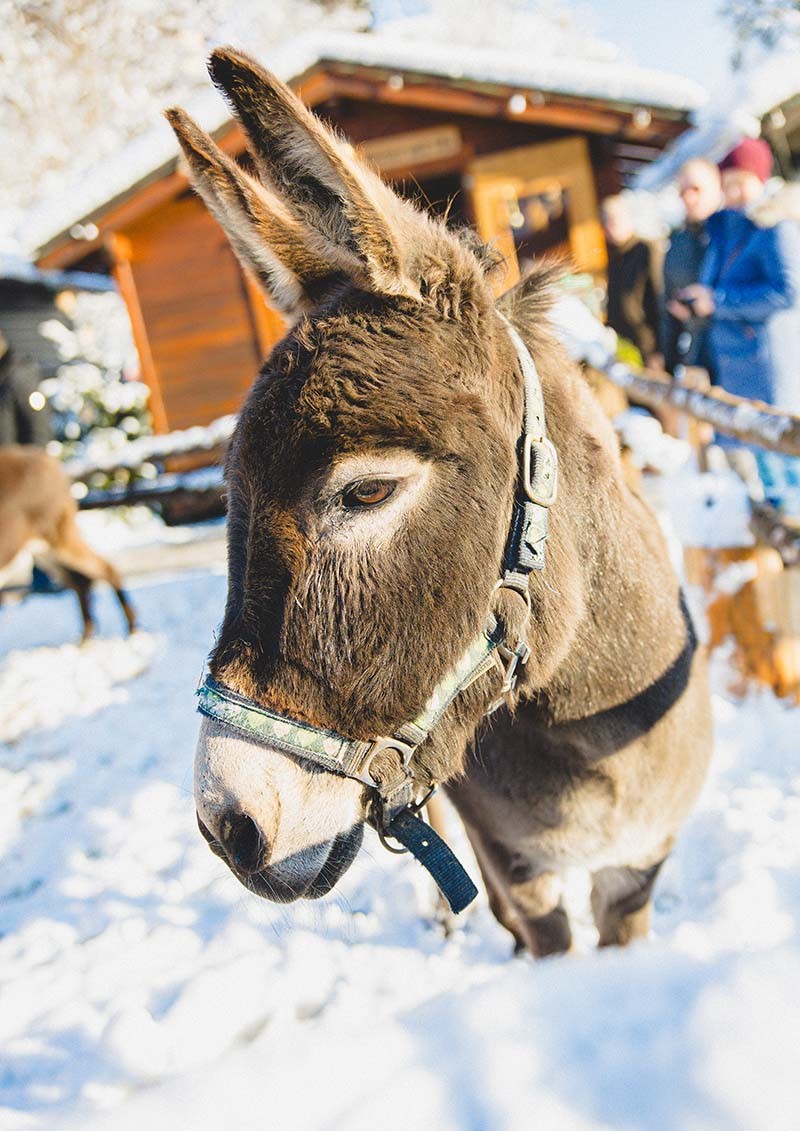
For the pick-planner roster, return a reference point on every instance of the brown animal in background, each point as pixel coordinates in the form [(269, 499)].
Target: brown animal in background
[(371, 481), (36, 506)]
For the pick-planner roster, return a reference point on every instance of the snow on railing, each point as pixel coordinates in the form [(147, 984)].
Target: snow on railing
[(749, 421), (185, 442), (589, 341), (205, 481)]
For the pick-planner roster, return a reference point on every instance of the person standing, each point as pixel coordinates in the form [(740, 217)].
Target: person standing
[(684, 335), (634, 281), (749, 287), (749, 284)]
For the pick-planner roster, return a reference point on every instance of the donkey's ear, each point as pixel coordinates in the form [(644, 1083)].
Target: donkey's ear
[(286, 257), (318, 174)]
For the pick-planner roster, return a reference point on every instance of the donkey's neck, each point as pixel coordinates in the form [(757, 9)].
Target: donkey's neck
[(607, 619)]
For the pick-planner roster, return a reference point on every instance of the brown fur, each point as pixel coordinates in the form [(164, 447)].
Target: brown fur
[(36, 506), (608, 745)]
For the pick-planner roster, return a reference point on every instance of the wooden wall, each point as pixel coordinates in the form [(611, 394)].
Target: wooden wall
[(205, 331)]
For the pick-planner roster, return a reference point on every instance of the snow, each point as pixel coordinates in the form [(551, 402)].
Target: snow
[(142, 986), (17, 267), (710, 510), (77, 85)]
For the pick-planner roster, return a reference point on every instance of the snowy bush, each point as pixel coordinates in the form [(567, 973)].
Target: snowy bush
[(97, 406)]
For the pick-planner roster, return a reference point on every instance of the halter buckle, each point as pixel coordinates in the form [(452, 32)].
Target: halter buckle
[(510, 660), (539, 470), (406, 752)]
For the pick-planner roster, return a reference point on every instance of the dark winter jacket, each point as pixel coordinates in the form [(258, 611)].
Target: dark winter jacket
[(634, 289), (19, 422), (684, 343), (753, 268)]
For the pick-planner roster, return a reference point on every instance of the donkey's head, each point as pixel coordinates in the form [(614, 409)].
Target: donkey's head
[(370, 482)]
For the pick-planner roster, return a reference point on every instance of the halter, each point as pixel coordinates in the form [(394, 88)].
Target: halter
[(394, 808)]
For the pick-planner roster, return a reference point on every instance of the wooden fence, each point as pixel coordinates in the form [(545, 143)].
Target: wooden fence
[(762, 613)]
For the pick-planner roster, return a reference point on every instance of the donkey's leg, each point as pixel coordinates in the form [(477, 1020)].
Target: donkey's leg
[(75, 555), (14, 533), (621, 900), (524, 899), (496, 890), (82, 587), (545, 923)]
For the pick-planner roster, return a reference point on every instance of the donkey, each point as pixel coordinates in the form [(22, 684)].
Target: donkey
[(373, 479), (37, 509)]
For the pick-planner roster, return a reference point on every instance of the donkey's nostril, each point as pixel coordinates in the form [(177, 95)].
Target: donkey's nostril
[(243, 843)]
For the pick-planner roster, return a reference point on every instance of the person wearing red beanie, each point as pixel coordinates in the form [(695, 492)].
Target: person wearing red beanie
[(744, 172)]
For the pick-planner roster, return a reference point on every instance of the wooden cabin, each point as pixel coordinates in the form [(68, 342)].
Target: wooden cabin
[(523, 155)]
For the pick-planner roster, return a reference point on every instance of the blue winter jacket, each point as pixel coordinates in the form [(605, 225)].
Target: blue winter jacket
[(754, 273)]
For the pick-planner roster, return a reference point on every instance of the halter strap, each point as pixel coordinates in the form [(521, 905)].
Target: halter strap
[(351, 758), (537, 481), (395, 811)]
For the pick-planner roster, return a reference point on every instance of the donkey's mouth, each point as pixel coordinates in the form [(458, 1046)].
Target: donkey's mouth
[(273, 883)]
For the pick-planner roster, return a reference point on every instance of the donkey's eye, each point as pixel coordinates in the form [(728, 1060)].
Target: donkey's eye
[(367, 493)]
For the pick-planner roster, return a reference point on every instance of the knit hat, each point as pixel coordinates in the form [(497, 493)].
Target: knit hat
[(753, 155)]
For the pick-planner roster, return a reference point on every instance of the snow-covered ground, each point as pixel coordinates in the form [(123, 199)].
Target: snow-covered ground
[(141, 986)]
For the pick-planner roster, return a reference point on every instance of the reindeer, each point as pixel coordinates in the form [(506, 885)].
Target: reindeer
[(37, 509), (373, 479)]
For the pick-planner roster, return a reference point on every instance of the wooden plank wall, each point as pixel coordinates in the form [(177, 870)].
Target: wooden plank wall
[(201, 328)]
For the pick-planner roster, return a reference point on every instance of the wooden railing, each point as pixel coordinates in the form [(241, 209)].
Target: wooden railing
[(155, 449), (749, 421)]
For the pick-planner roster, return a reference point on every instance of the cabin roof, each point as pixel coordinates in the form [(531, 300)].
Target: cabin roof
[(152, 155)]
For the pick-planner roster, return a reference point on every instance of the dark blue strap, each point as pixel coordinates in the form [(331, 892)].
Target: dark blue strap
[(525, 545), (435, 856)]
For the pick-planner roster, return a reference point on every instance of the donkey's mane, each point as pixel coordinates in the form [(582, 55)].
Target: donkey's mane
[(528, 304)]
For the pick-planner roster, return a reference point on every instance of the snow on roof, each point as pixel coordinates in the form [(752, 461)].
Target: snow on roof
[(611, 80), (733, 112)]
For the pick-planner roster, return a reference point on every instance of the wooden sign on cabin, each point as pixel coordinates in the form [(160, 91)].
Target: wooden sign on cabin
[(413, 150)]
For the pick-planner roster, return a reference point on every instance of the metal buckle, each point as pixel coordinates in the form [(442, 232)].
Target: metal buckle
[(376, 747), (514, 658), (540, 470), (414, 807), (520, 586)]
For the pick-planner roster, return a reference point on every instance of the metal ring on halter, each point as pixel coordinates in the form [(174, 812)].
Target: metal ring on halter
[(521, 590), (418, 806), (378, 746), (385, 843), (415, 807)]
